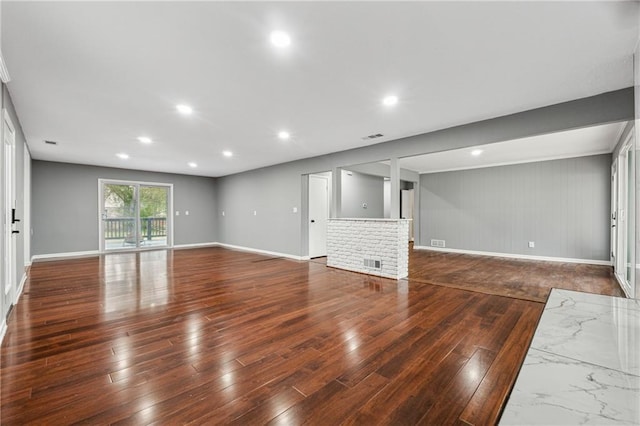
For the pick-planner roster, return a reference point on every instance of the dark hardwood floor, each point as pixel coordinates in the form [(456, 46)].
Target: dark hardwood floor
[(522, 279), (214, 336)]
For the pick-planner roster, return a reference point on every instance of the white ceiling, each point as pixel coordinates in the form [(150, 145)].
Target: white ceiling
[(94, 76), (571, 143)]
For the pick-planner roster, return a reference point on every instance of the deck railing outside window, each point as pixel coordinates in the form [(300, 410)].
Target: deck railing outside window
[(123, 227)]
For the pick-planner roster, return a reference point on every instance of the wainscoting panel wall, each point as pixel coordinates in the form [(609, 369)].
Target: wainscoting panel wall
[(562, 206)]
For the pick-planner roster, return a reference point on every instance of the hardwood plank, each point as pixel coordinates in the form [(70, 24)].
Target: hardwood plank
[(211, 335), (518, 278), (455, 396), (486, 403)]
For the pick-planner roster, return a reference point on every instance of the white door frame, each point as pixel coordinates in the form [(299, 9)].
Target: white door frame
[(614, 212), (9, 202), (311, 214), (137, 184), (26, 214), (624, 217)]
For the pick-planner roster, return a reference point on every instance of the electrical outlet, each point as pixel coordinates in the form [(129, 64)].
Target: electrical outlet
[(177, 212), (295, 210), (532, 244), (186, 213)]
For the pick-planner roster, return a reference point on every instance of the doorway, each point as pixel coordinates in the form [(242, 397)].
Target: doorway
[(407, 201), (622, 217), (9, 276), (135, 215), (319, 185)]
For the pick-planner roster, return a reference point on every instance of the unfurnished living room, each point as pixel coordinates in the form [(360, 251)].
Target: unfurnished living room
[(320, 212)]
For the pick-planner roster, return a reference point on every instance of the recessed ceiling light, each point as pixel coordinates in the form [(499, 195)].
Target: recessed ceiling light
[(280, 39), (390, 100), (284, 135), (184, 109), (122, 155), (476, 152), (145, 139), (192, 165), (227, 153)]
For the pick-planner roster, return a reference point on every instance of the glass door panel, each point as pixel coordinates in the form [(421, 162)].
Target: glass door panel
[(119, 216), (154, 205)]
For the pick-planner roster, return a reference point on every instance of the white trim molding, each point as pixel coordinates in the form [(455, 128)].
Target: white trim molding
[(20, 287), (3, 330), (71, 254), (517, 256), (195, 245), (258, 251), (92, 253)]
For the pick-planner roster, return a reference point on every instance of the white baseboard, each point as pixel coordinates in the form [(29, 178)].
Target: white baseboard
[(20, 287), (3, 330), (72, 254), (258, 251), (91, 253), (196, 245), (517, 256)]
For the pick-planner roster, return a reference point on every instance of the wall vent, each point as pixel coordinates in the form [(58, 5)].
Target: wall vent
[(437, 243), (51, 142), (375, 136), (373, 263)]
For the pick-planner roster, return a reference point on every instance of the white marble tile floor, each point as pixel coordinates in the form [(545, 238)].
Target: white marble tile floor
[(583, 365)]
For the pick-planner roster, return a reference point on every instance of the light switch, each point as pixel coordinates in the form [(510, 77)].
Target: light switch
[(186, 212), (177, 213), (295, 210), (222, 212), (255, 213)]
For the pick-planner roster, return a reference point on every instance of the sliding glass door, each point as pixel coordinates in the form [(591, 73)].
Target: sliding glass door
[(154, 204), (134, 215)]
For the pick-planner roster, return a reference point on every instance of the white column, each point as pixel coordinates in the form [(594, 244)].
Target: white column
[(336, 192), (395, 188)]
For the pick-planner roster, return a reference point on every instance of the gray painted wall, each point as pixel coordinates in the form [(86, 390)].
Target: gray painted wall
[(562, 205), (271, 193), (274, 190), (65, 205), (359, 188)]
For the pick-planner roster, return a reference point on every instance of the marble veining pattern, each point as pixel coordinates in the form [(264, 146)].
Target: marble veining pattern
[(601, 330), (553, 389), (583, 364)]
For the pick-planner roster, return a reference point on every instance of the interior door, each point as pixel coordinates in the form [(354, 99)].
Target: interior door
[(9, 219), (318, 215), (406, 208)]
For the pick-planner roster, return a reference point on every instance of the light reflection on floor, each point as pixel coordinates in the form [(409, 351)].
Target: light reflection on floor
[(132, 286), (121, 243)]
